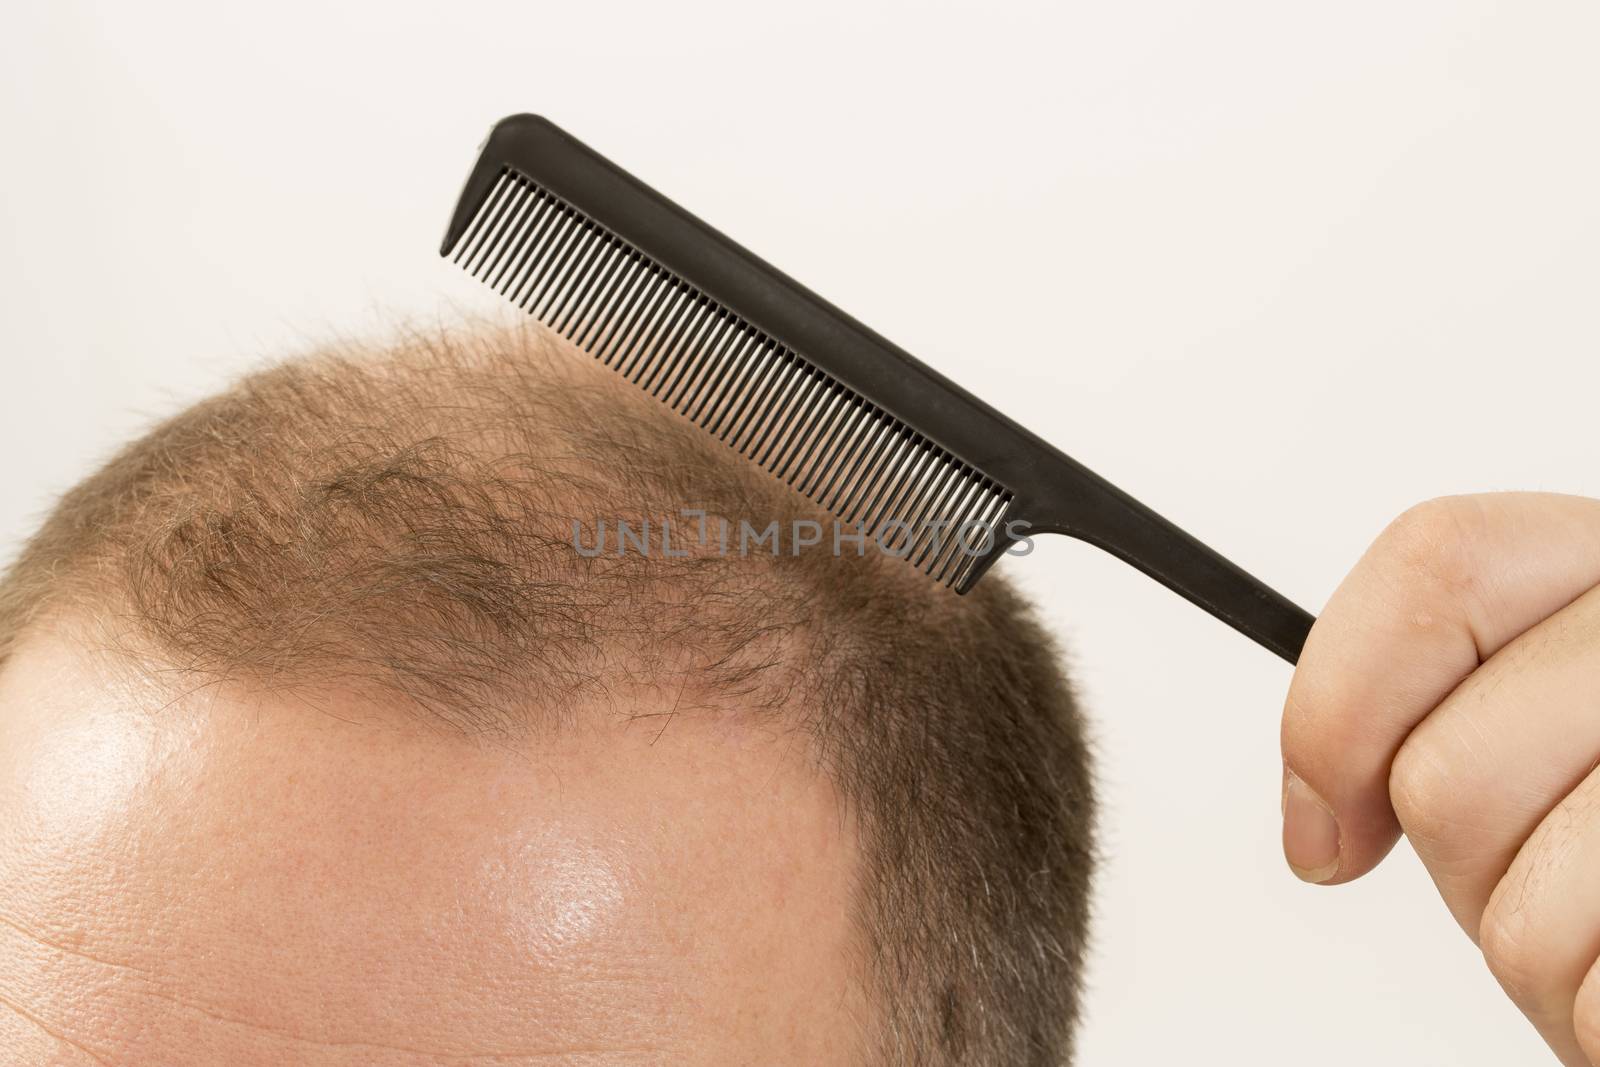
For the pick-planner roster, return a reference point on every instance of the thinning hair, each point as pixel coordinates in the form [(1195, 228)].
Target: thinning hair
[(399, 520)]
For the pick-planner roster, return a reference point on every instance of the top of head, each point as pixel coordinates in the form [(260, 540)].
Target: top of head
[(423, 522), (368, 532)]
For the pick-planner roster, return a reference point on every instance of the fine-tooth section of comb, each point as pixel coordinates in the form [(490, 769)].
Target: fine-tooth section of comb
[(903, 457), (880, 477)]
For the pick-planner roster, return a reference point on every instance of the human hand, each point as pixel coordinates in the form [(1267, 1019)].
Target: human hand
[(1451, 691)]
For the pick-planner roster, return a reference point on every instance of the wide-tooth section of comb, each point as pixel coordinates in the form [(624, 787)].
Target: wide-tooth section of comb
[(878, 476)]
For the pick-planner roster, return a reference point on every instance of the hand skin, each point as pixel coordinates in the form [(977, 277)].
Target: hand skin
[(1451, 691)]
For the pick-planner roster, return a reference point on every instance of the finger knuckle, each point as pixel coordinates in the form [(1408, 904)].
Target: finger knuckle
[(1586, 1016), (1511, 950), (1430, 542), (1424, 796)]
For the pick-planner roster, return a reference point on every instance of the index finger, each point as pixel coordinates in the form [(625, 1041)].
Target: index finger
[(1445, 586)]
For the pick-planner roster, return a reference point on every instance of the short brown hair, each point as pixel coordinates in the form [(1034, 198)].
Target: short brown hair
[(400, 520)]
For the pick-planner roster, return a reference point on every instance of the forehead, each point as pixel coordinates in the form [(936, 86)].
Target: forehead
[(210, 879)]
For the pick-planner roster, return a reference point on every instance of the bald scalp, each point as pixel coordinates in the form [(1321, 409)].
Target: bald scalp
[(398, 521)]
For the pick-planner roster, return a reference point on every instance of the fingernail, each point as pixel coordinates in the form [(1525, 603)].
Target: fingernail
[(1310, 834)]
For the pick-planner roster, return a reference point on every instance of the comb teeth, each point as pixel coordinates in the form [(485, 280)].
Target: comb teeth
[(705, 361)]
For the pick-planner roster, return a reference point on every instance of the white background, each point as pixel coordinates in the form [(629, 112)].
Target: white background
[(1279, 269)]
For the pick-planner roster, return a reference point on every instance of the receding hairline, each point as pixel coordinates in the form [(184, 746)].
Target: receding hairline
[(395, 519), (438, 476)]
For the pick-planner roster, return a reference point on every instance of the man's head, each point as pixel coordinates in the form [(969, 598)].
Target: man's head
[(321, 741)]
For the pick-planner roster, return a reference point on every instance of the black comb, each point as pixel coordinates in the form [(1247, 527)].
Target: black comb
[(889, 446)]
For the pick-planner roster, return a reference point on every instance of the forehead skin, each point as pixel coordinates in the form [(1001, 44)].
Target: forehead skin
[(219, 879)]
